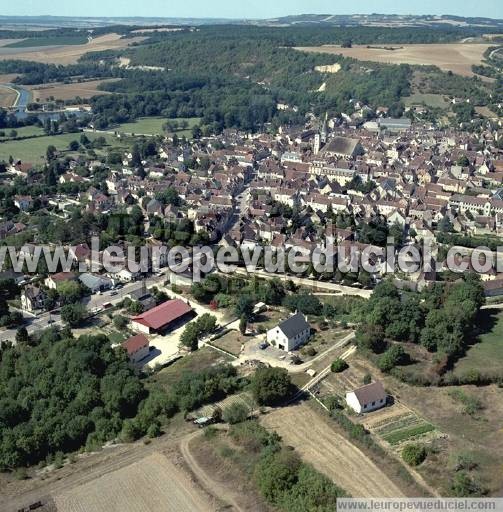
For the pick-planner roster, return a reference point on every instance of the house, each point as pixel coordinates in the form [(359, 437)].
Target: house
[(367, 398), (166, 316), (32, 298), (137, 347), (24, 203), (290, 334), (54, 280)]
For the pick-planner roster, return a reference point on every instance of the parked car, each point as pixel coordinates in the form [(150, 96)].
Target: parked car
[(263, 345)]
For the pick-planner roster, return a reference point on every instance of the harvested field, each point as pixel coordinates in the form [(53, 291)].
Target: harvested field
[(7, 96), (68, 54), (152, 484), (329, 452), (455, 57), (67, 91)]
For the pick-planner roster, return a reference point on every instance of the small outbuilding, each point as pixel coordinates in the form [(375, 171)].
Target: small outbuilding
[(367, 398)]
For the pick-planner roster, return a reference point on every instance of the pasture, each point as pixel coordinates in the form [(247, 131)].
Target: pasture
[(67, 54), (33, 150), (455, 57)]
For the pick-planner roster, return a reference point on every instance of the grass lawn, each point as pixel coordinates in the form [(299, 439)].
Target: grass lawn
[(486, 355), (47, 41), (33, 150), (153, 126), (430, 100), (24, 131), (194, 362)]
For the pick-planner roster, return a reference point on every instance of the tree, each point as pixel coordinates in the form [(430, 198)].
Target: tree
[(244, 306), (235, 413), (271, 385), (394, 356), (22, 335), (338, 366), (120, 322), (73, 314), (70, 292), (73, 146), (243, 323), (414, 454)]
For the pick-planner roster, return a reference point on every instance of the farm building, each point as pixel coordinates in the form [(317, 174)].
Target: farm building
[(137, 347), (291, 333), (367, 398), (162, 318)]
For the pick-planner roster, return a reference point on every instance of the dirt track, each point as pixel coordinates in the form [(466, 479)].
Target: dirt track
[(329, 452), (209, 484)]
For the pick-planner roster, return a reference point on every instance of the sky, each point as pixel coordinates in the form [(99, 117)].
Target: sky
[(247, 8)]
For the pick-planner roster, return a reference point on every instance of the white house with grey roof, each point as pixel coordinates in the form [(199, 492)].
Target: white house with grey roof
[(367, 398), (290, 333)]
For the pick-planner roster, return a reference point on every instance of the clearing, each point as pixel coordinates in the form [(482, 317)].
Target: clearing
[(153, 484), (59, 91), (486, 354), (329, 452), (455, 57), (153, 126), (68, 54)]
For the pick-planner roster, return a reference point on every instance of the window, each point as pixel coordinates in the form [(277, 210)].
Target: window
[(373, 403)]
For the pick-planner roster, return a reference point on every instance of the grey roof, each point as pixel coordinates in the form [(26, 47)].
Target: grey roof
[(92, 281), (342, 146), (294, 325), (370, 393)]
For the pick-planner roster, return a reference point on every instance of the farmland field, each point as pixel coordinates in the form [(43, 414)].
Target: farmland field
[(153, 484), (7, 96), (455, 57), (34, 42), (153, 126), (23, 131), (63, 92), (33, 150), (68, 54), (430, 100), (329, 452)]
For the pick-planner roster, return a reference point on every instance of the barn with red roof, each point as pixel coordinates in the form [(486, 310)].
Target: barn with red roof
[(165, 317)]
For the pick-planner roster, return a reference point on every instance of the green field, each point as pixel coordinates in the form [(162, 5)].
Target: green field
[(33, 150), (430, 100), (153, 126), (485, 356), (24, 131), (48, 41)]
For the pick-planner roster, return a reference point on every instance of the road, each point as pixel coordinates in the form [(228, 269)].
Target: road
[(310, 283)]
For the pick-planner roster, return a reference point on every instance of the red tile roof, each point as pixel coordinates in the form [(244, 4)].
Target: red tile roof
[(134, 343), (164, 314)]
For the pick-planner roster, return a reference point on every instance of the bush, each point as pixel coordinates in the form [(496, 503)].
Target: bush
[(414, 454), (367, 379), (339, 365), (394, 356), (235, 413)]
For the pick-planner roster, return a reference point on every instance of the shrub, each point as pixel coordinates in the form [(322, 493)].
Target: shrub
[(235, 413), (414, 454), (339, 365), (367, 379)]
